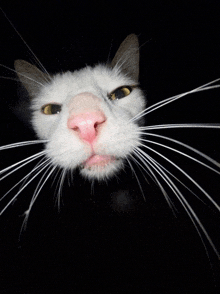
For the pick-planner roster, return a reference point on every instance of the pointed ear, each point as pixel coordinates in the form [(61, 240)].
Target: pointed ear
[(127, 57), (30, 76)]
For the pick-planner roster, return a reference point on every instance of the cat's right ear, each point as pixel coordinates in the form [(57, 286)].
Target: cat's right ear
[(127, 57), (30, 76)]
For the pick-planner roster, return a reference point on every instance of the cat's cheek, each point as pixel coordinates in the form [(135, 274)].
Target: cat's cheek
[(68, 152), (42, 125), (118, 140), (138, 102)]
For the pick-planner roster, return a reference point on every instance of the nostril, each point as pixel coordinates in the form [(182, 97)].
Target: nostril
[(75, 128), (96, 124)]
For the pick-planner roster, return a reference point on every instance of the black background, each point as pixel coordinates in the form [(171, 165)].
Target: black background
[(89, 246)]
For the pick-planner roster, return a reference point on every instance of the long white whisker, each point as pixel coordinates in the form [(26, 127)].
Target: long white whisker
[(63, 174), (186, 146), (182, 153), (191, 213), (54, 178), (144, 161), (16, 195), (21, 144), (174, 98), (26, 161), (139, 184), (140, 166), (25, 177), (36, 193), (183, 172), (173, 126), (168, 172), (37, 167), (154, 165)]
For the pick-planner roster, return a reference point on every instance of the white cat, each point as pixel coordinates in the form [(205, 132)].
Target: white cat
[(92, 120)]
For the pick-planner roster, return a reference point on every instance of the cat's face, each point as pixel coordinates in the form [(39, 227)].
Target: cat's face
[(90, 130), (86, 115)]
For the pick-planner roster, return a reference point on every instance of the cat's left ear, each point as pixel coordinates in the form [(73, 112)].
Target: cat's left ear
[(30, 76), (127, 57)]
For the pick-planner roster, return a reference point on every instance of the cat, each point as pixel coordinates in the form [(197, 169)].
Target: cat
[(92, 121), (152, 233)]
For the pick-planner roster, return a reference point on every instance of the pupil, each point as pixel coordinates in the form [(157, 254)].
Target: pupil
[(55, 108), (119, 93)]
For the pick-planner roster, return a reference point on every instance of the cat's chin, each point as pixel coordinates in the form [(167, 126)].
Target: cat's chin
[(100, 167)]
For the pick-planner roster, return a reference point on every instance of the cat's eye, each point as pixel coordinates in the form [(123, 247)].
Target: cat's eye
[(51, 108), (120, 92)]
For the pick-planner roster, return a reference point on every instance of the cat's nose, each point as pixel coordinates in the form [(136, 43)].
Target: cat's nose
[(87, 125)]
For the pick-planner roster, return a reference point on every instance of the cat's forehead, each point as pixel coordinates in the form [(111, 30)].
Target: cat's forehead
[(98, 80)]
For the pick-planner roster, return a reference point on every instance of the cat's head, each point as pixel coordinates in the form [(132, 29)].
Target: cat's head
[(86, 115)]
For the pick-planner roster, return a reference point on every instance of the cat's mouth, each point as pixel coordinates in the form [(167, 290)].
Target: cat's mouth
[(99, 161), (101, 167)]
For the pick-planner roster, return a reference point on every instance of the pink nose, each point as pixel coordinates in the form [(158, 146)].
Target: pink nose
[(87, 124)]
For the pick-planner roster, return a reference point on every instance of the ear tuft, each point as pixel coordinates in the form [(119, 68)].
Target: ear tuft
[(127, 57)]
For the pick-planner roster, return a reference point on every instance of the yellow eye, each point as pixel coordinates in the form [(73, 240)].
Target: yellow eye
[(120, 92), (51, 109)]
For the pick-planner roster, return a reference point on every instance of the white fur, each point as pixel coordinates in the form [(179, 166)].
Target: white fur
[(117, 138)]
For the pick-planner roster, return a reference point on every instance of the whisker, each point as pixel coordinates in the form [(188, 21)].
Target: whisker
[(186, 146), (139, 184), (143, 160), (168, 172), (173, 126), (16, 195), (26, 161), (63, 174), (25, 178), (174, 98), (140, 166), (37, 166), (20, 144), (154, 165), (189, 210), (36, 193), (58, 170), (184, 173), (140, 169), (182, 153)]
